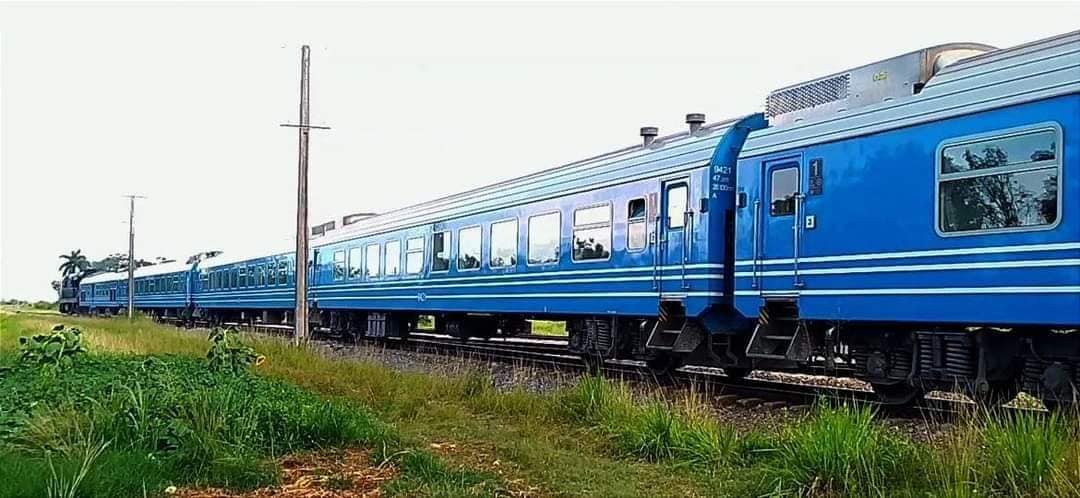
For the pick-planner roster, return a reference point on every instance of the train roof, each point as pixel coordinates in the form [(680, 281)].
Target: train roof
[(1032, 71), (143, 271), (227, 258), (670, 152)]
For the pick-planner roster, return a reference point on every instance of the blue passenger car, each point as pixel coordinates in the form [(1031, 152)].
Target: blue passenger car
[(244, 288), (935, 234), (103, 293), (601, 242)]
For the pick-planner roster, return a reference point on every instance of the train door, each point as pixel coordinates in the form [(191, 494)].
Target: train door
[(779, 219), (674, 226)]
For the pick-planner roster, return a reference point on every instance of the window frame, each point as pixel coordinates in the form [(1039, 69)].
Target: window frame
[(344, 265), (398, 270), (683, 183), (783, 165), (587, 226), (358, 264), (528, 239), (423, 255), (378, 264), (992, 135), (447, 248), (457, 257), (644, 219), (491, 240)]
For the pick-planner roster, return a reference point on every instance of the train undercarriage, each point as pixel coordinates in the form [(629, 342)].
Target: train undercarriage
[(900, 361)]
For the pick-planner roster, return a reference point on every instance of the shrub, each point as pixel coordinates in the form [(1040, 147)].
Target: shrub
[(55, 350), (228, 354)]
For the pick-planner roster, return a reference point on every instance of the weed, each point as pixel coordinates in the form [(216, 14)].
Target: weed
[(228, 354), (55, 350)]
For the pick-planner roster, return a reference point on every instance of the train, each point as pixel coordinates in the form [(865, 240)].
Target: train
[(912, 223)]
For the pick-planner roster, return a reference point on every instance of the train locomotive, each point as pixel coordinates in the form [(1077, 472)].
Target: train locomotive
[(912, 223)]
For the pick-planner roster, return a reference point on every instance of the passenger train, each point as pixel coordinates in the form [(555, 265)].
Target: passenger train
[(914, 223)]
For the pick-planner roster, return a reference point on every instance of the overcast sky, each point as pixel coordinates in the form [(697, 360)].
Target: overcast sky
[(182, 103)]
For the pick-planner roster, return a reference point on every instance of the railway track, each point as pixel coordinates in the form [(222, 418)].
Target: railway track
[(548, 352)]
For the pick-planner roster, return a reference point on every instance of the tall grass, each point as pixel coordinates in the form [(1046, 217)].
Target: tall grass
[(1010, 453), (682, 431), (839, 450)]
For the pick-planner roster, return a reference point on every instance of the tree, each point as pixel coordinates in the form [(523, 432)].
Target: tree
[(74, 265), (118, 262)]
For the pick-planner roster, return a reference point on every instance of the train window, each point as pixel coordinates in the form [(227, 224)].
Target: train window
[(1005, 182), (204, 279), (504, 238), (677, 205), (242, 277), (371, 263), (283, 271), (636, 225), (784, 186), (262, 275), (233, 282), (251, 276), (151, 289), (271, 273), (440, 251), (592, 233), (356, 262), (414, 255), (469, 242), (544, 238), (339, 265), (393, 257)]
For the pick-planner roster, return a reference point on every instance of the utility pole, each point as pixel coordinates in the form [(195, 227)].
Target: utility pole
[(304, 127), (131, 255)]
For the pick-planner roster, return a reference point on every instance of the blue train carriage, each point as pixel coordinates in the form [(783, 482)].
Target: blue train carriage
[(163, 291), (918, 226), (609, 244), (103, 294), (245, 289)]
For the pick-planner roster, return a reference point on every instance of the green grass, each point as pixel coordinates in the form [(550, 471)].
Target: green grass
[(122, 424), (546, 327), (597, 438)]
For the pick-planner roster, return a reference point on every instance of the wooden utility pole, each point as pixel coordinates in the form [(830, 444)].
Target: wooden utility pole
[(131, 256), (304, 127)]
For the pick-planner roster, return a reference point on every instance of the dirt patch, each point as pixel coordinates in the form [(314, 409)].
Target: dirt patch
[(325, 474), (483, 457)]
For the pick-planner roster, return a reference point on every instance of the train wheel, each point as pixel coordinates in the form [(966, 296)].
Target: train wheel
[(662, 367), (997, 394), (594, 364), (897, 393)]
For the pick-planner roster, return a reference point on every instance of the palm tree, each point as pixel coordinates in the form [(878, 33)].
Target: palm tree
[(74, 264)]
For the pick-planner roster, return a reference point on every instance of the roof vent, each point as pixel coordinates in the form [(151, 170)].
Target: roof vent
[(648, 135), (320, 230), (349, 219), (696, 120), (882, 81)]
